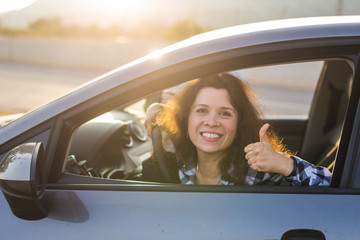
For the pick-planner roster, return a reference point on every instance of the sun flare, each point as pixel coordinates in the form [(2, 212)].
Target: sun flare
[(6, 5)]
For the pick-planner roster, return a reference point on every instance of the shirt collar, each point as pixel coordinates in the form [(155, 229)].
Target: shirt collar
[(187, 174)]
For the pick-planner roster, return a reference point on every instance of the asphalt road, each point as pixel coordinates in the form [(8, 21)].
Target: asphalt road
[(24, 87), (284, 101)]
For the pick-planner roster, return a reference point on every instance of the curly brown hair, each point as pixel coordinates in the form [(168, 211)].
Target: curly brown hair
[(174, 119)]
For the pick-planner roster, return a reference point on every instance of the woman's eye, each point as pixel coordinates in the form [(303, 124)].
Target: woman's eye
[(225, 114), (201, 110)]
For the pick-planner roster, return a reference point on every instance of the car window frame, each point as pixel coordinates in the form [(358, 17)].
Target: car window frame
[(225, 61), (346, 171)]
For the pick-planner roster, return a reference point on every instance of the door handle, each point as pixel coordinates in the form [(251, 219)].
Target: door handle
[(303, 234)]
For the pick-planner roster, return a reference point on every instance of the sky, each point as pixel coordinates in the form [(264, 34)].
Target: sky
[(10, 5)]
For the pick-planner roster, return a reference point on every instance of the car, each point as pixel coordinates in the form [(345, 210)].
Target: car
[(70, 169)]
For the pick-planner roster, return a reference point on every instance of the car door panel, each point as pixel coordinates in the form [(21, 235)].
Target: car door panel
[(84, 214)]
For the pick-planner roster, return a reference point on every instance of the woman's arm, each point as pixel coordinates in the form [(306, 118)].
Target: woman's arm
[(307, 174)]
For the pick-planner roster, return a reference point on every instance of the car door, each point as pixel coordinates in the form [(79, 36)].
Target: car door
[(81, 206)]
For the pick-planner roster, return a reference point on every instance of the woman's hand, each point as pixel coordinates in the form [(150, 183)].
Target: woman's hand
[(262, 157), (151, 113)]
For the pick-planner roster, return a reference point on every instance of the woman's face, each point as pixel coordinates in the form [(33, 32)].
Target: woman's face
[(212, 121)]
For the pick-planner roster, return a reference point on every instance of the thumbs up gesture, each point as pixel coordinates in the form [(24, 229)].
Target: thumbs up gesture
[(262, 157)]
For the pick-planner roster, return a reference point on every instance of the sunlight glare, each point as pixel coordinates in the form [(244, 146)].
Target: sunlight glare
[(105, 118), (6, 5), (120, 3)]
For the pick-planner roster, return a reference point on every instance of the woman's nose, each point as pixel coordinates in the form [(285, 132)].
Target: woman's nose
[(211, 120)]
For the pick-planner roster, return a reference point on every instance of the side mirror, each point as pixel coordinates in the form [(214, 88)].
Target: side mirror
[(303, 234), (22, 181)]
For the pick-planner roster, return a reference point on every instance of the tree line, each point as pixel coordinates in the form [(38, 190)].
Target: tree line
[(54, 27)]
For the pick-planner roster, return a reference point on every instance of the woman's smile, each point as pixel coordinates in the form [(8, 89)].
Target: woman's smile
[(210, 136)]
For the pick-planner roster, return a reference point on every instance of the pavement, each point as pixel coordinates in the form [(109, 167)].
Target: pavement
[(24, 86)]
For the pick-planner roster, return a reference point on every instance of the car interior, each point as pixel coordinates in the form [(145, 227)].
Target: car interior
[(304, 102)]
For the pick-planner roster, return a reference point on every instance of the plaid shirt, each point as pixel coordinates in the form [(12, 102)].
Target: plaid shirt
[(304, 174)]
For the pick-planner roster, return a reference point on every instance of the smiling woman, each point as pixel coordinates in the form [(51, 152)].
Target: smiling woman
[(6, 6)]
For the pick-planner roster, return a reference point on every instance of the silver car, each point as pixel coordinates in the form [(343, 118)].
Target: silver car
[(70, 169)]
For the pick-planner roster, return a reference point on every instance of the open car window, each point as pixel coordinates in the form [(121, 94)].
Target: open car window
[(306, 103)]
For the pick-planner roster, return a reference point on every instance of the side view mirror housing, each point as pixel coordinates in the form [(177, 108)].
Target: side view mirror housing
[(22, 181), (303, 234)]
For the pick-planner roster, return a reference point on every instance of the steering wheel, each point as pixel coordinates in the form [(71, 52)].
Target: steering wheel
[(159, 153)]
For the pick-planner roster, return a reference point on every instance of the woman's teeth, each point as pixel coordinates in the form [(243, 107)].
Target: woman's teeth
[(211, 135)]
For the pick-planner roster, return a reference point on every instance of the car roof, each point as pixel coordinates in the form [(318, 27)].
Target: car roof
[(200, 45)]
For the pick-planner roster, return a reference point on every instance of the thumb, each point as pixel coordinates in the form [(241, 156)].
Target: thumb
[(262, 132)]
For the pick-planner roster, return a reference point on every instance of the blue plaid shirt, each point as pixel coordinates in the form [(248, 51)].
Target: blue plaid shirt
[(304, 174)]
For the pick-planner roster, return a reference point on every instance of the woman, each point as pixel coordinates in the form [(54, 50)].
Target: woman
[(219, 139)]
